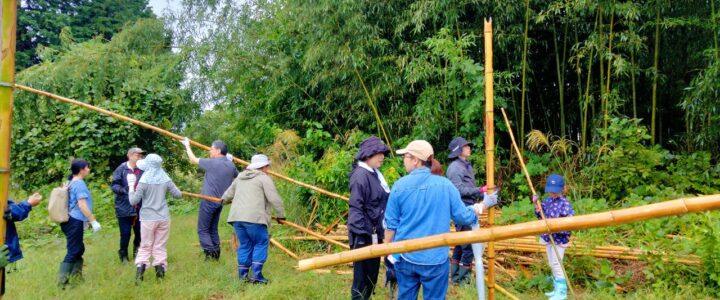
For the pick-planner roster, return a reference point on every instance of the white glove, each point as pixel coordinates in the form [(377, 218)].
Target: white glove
[(490, 200), (479, 208), (186, 142), (131, 179), (229, 157), (95, 226)]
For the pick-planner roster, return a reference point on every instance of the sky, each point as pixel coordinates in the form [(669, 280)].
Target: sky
[(158, 6)]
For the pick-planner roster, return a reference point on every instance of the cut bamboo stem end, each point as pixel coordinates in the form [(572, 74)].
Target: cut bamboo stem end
[(602, 219), (170, 135)]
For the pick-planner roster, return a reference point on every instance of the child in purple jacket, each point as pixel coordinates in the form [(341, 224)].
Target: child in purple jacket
[(555, 206)]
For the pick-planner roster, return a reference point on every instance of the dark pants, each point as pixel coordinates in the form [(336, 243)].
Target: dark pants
[(253, 240), (463, 253), (207, 227), (73, 230), (128, 225), (365, 272)]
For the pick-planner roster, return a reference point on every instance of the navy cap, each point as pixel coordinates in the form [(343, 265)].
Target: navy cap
[(456, 146), (371, 146), (555, 184)]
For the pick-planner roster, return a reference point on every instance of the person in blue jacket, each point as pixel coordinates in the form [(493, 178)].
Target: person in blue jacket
[(16, 212)]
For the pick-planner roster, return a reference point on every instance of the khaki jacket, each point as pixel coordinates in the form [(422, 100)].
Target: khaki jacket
[(252, 194)]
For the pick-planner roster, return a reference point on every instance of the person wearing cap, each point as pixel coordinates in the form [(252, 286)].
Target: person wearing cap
[(154, 214), (555, 206), (422, 204), (252, 194), (124, 181), (462, 175), (219, 174), (368, 197)]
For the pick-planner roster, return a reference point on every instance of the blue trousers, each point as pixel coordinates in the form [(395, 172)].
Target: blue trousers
[(73, 230), (433, 278), (253, 240), (463, 253), (207, 226), (128, 225)]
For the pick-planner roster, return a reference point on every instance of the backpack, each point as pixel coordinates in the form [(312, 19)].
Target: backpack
[(58, 204)]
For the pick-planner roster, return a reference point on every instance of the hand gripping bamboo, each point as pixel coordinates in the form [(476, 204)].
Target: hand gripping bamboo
[(602, 219), (537, 204), (170, 135)]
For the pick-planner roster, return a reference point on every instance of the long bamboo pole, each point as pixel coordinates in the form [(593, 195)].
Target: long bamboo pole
[(286, 250), (602, 219), (283, 222), (8, 12), (335, 223), (170, 135), (489, 149)]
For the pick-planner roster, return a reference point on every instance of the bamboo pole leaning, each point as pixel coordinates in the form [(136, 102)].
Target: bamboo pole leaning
[(283, 222), (489, 149), (538, 205), (602, 219), (170, 135)]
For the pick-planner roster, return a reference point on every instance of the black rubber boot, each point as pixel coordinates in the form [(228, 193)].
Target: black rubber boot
[(454, 266), (463, 275), (64, 274), (139, 274), (208, 255), (160, 271), (123, 255), (76, 271)]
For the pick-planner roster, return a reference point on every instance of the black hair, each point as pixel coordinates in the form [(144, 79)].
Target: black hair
[(220, 145), (76, 166), (428, 162)]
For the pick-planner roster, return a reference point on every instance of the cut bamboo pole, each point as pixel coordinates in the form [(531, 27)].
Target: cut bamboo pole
[(602, 219), (170, 135), (335, 223), (8, 12), (286, 250), (489, 149), (283, 222)]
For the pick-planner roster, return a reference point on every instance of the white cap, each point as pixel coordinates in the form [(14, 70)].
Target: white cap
[(258, 161)]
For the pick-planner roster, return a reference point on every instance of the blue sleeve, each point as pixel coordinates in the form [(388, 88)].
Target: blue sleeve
[(203, 163), (392, 212), (81, 191), (20, 211), (459, 213)]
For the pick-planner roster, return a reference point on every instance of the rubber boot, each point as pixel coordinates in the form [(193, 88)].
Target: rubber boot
[(454, 267), (243, 273), (463, 275), (160, 271), (550, 294), (560, 290), (139, 274), (257, 276), (217, 255), (208, 255), (123, 257), (64, 274), (76, 271)]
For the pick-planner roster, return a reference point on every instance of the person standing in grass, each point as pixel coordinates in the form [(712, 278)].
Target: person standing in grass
[(422, 204), (368, 197), (154, 215), (252, 194), (219, 174), (16, 212), (125, 181), (555, 206), (80, 207)]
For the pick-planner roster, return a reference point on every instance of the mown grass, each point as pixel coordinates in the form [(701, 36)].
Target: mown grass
[(189, 277)]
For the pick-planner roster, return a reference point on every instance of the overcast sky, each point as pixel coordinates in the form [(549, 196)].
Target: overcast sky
[(158, 6)]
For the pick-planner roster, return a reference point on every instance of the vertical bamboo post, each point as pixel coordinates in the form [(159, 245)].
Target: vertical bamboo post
[(8, 14), (489, 149)]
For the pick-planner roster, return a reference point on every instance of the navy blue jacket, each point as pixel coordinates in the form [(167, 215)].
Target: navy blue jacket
[(462, 175), (119, 186), (18, 212), (368, 200)]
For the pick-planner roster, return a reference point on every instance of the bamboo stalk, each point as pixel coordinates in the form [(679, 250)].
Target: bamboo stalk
[(8, 10), (283, 222), (602, 254), (602, 219), (170, 135), (524, 70), (490, 147), (375, 111), (335, 223), (656, 59), (286, 250)]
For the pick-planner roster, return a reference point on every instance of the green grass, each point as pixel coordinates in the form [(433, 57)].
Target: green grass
[(189, 277)]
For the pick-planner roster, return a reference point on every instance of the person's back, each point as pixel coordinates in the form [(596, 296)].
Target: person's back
[(154, 202), (252, 191), (219, 174)]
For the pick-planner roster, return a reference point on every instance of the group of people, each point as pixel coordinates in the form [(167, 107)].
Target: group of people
[(423, 203)]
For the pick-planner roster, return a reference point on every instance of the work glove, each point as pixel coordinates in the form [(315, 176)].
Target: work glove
[(280, 220), (95, 226), (229, 157), (131, 179), (490, 200), (185, 141), (4, 256)]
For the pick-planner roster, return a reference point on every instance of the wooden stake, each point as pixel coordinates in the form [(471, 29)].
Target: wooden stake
[(8, 14), (489, 149), (602, 219), (170, 135)]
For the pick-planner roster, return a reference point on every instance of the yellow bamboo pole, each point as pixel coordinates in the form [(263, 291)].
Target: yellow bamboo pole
[(8, 12), (170, 135), (335, 223), (489, 149), (538, 205), (602, 219), (286, 250), (283, 222)]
